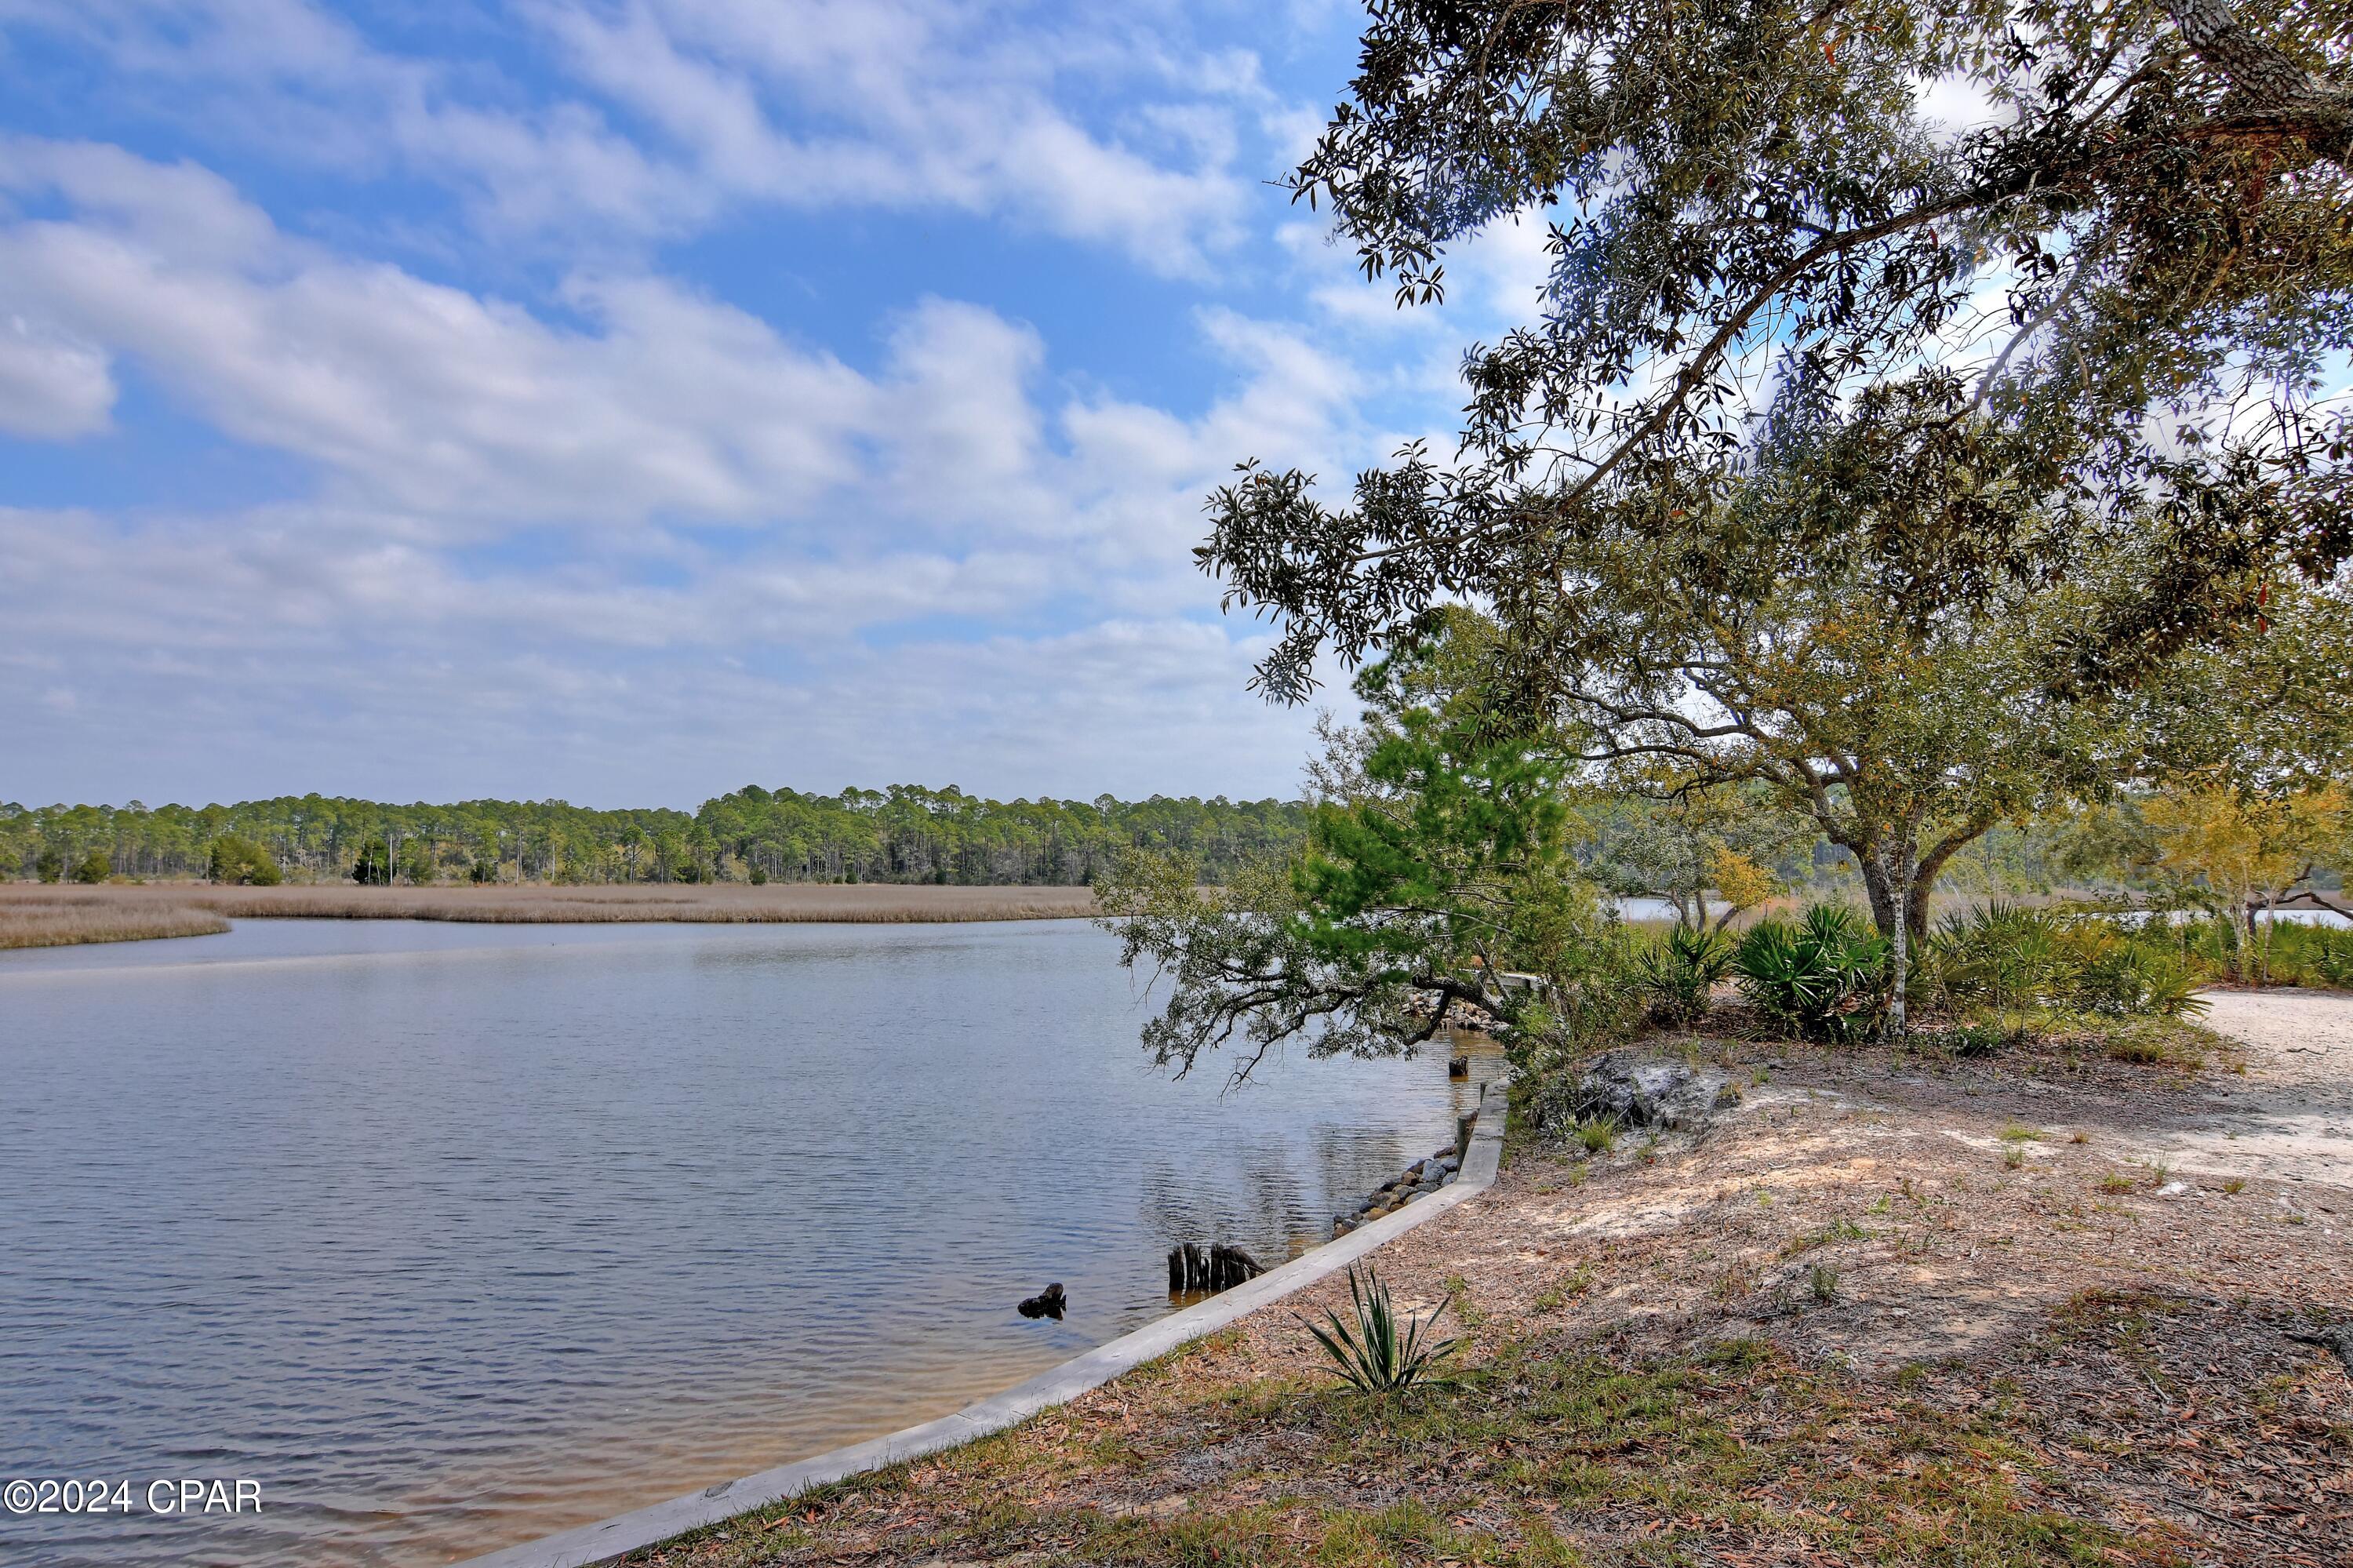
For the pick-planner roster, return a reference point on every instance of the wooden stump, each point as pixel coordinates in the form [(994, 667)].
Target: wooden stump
[(1194, 1268)]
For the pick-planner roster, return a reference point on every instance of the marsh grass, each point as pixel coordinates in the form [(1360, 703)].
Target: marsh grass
[(38, 915), (57, 918)]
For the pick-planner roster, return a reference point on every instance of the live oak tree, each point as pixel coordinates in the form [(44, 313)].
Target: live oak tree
[(1871, 459), (1728, 636), (2134, 258)]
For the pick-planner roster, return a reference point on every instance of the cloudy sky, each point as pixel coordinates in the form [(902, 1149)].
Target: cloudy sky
[(626, 401)]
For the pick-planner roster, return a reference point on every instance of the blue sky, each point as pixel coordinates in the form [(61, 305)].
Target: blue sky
[(625, 400)]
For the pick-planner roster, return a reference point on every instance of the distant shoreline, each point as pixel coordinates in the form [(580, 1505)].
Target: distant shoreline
[(41, 914)]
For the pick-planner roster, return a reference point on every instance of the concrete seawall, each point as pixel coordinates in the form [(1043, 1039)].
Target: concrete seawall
[(590, 1544)]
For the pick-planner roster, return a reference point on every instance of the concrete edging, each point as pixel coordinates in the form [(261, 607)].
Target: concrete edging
[(644, 1527)]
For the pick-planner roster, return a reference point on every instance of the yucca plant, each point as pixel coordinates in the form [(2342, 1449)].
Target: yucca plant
[(1382, 1354), (1677, 971)]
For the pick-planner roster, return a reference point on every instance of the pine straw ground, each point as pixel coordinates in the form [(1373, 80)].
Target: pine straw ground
[(1908, 1312)]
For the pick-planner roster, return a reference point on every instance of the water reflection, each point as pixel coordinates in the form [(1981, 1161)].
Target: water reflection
[(454, 1236)]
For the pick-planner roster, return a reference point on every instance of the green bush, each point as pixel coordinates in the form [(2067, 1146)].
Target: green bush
[(2006, 958), (1676, 971), (2124, 977), (2311, 955), (2332, 959), (1824, 977), (1999, 956), (93, 867)]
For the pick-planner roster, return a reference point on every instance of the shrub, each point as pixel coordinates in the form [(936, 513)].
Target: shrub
[(2132, 979), (2010, 958), (1823, 977), (49, 865), (2333, 960), (2001, 955), (1676, 971), (2312, 955), (1978, 1039), (93, 867)]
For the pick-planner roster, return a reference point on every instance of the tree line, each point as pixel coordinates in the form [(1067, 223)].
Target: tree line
[(906, 833)]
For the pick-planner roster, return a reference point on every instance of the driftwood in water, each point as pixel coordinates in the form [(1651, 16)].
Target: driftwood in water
[(1193, 1268), (1048, 1303), (1458, 1066)]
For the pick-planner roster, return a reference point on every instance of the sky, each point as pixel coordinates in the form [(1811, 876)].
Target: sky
[(626, 401)]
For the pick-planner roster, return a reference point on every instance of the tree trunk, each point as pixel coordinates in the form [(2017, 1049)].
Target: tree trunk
[(1891, 879)]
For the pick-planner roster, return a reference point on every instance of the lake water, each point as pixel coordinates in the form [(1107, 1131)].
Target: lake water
[(453, 1235)]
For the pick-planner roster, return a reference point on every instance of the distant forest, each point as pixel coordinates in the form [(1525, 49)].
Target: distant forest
[(904, 834)]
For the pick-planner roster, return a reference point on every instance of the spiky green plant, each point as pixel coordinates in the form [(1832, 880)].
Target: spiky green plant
[(1824, 978), (1382, 1353), (1677, 971)]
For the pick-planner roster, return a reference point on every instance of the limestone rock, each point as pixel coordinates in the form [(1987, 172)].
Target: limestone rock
[(1625, 1091)]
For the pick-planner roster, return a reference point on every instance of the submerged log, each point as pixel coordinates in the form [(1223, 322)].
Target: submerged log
[(1048, 1303)]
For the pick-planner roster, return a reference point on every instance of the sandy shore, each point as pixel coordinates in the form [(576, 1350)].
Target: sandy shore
[(33, 915), (1918, 1309)]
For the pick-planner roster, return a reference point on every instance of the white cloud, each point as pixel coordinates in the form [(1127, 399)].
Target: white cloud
[(345, 663), (50, 387), (673, 113), (619, 537), (422, 395), (940, 488)]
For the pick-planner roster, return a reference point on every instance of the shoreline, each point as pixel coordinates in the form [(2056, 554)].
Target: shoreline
[(1000, 1412), (42, 915), (2036, 1307)]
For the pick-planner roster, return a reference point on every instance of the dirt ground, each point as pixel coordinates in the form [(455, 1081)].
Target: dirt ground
[(2043, 1306), (2291, 1118)]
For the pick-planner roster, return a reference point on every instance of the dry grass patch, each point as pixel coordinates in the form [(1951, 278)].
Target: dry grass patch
[(152, 909), (1549, 1456), (61, 919)]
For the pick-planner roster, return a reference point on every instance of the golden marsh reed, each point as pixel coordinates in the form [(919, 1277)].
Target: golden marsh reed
[(60, 918), (38, 915)]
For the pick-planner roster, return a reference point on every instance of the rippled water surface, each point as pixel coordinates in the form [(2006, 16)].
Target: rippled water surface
[(453, 1235)]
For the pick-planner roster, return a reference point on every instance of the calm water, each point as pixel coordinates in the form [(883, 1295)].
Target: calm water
[(452, 1235)]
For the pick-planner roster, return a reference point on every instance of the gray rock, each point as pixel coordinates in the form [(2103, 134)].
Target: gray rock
[(1618, 1088)]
